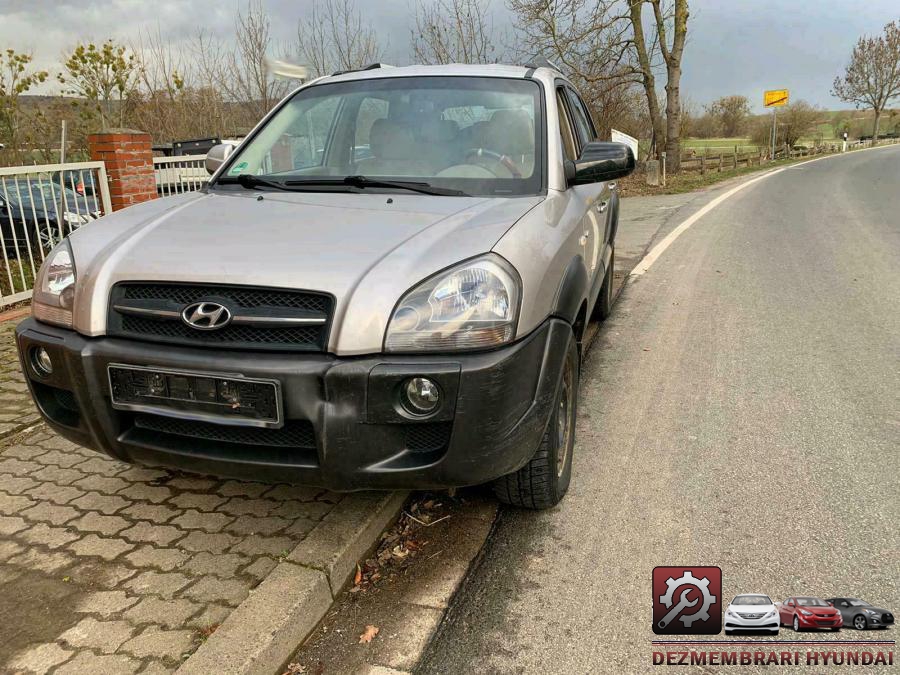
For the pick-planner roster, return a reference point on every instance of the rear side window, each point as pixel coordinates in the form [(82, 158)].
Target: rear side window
[(583, 125), (565, 127)]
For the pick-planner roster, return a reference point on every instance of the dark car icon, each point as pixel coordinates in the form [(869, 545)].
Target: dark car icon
[(860, 614)]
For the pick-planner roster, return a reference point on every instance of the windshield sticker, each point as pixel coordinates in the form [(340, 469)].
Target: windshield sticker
[(238, 168)]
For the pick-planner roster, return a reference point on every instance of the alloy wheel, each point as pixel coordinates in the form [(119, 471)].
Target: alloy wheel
[(563, 423), (859, 623)]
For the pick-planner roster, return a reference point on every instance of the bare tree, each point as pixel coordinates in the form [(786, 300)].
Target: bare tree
[(671, 55), (731, 113), (335, 37), (588, 39), (455, 31), (591, 42), (872, 77), (245, 77), (645, 68)]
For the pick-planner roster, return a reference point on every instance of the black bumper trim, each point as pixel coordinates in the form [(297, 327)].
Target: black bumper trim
[(495, 410)]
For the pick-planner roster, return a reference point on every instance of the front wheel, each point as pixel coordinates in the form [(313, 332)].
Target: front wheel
[(859, 622), (543, 481), (796, 624)]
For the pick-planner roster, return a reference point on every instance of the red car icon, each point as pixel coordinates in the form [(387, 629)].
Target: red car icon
[(805, 613)]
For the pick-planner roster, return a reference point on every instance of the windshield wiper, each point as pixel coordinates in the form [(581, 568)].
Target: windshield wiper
[(249, 181), (252, 182), (363, 182)]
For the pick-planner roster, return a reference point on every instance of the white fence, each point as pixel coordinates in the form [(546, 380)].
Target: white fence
[(39, 205), (175, 175)]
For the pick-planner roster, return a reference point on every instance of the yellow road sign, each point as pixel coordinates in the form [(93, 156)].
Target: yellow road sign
[(775, 97)]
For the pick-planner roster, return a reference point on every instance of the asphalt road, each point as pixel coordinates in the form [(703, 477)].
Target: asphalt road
[(741, 409)]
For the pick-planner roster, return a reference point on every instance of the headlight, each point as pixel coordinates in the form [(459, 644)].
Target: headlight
[(805, 612), (728, 612), (472, 306), (54, 288), (771, 614), (870, 611)]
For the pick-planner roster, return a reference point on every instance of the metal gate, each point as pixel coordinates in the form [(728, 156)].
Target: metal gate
[(39, 206)]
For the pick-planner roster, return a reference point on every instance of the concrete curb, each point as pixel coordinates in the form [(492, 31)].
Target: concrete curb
[(278, 615)]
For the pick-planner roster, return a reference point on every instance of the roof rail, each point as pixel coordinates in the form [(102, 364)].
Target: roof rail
[(371, 66), (542, 62)]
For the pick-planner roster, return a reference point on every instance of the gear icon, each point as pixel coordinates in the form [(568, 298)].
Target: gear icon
[(688, 579)]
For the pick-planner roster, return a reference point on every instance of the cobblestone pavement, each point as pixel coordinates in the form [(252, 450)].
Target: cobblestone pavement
[(107, 567), (16, 410)]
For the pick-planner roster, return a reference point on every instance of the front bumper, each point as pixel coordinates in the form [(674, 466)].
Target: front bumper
[(735, 621), (814, 621), (343, 426)]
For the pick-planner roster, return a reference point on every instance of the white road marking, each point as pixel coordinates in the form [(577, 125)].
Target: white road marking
[(648, 260)]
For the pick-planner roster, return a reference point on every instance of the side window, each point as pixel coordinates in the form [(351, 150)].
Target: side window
[(584, 127), (303, 144), (565, 127), (370, 111)]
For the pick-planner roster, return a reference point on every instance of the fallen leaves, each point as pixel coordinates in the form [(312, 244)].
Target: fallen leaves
[(294, 669), (368, 634), (400, 545)]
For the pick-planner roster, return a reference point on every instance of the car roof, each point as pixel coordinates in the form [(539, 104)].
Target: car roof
[(448, 70)]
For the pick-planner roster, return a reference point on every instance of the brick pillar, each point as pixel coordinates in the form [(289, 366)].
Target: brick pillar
[(128, 157)]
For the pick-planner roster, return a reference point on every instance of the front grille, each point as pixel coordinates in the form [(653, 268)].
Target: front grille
[(428, 437), (301, 336), (745, 615), (887, 617), (294, 434), (826, 622), (242, 296), (150, 311)]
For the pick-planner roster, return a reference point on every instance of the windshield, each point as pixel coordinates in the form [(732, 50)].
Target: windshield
[(751, 600), (811, 602), (859, 603), (476, 135)]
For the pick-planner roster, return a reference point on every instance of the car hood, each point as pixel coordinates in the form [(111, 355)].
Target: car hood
[(820, 611), (365, 249), (752, 609)]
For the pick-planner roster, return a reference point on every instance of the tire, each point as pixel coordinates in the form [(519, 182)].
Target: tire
[(796, 624), (729, 632), (835, 629), (859, 622), (603, 306), (544, 480), (775, 632)]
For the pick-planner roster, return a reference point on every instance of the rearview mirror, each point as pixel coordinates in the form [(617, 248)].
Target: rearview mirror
[(600, 161), (217, 156)]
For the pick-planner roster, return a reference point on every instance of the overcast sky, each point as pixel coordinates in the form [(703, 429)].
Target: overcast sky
[(734, 46)]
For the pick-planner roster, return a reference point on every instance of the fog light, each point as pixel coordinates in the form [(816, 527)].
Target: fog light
[(421, 396), (41, 361)]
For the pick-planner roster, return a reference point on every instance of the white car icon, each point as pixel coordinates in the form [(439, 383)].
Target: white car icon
[(751, 611)]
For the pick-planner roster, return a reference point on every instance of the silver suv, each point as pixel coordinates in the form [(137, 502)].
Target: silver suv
[(384, 286)]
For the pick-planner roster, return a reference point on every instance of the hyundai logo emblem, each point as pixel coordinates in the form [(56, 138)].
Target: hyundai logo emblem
[(206, 315)]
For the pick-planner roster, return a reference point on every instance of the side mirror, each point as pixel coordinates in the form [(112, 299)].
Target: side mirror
[(601, 161), (217, 156)]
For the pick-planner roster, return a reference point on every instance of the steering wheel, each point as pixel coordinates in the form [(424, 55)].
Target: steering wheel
[(504, 160)]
